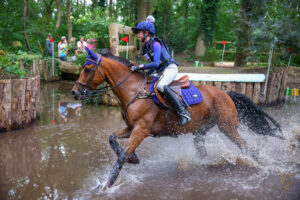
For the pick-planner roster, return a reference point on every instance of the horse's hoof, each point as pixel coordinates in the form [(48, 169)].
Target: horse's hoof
[(133, 159)]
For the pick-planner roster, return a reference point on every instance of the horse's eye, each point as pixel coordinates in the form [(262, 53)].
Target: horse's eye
[(87, 70)]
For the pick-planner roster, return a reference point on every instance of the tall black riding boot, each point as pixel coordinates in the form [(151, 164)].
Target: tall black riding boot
[(183, 114)]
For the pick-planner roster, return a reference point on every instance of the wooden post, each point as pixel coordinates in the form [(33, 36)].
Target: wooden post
[(270, 89), (5, 100), (114, 39), (256, 93), (114, 30), (283, 84), (218, 84), (249, 90), (19, 100)]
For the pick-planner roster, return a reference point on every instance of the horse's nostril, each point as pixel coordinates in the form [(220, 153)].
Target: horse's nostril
[(73, 93)]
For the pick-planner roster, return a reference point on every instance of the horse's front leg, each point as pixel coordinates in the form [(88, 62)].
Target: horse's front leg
[(138, 134), (123, 133)]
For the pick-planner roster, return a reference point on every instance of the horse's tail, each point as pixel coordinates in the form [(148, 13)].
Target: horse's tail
[(255, 118)]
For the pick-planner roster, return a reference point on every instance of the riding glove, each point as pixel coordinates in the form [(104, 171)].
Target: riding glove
[(134, 68)]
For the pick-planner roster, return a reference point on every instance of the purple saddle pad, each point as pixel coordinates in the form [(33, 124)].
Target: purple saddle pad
[(191, 95)]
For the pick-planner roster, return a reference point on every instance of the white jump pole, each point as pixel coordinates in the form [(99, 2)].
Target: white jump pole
[(223, 53), (127, 50), (53, 59), (269, 65), (289, 60)]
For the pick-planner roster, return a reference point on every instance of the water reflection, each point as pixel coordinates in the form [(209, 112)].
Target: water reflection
[(66, 153), (68, 110)]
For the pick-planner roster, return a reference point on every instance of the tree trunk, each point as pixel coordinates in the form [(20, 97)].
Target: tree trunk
[(200, 47), (242, 51), (110, 8), (148, 8), (69, 20), (25, 19), (58, 14), (48, 7), (141, 10)]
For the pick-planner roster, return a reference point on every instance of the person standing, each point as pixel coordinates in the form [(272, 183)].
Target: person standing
[(49, 45), (62, 48), (81, 44)]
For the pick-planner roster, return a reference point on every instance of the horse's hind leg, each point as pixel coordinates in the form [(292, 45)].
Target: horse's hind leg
[(199, 139), (228, 123), (199, 142), (123, 133)]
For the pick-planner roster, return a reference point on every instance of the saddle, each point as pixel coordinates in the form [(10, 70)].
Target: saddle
[(176, 86)]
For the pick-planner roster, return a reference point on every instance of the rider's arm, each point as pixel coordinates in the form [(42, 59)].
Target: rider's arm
[(156, 56)]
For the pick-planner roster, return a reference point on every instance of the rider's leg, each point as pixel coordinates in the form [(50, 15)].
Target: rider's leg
[(184, 115), (167, 77)]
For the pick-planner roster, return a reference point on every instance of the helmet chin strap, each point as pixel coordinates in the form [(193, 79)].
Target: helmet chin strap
[(143, 40), (145, 36)]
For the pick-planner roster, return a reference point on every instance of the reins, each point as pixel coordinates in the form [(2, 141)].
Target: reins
[(141, 93)]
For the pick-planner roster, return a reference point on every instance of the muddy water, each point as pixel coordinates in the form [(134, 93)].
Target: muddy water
[(66, 155)]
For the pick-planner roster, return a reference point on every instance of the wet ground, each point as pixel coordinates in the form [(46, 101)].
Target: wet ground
[(66, 154)]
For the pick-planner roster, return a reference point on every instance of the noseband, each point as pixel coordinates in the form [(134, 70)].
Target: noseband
[(86, 86)]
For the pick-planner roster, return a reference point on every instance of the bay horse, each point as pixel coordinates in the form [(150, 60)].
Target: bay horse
[(144, 117)]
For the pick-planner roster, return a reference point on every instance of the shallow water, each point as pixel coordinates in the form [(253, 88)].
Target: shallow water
[(65, 155)]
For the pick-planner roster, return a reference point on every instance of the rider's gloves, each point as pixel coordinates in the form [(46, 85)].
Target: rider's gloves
[(134, 68)]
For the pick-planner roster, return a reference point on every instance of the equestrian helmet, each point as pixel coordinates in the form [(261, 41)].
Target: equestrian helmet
[(144, 26)]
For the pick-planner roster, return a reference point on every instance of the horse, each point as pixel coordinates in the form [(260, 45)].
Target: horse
[(144, 118)]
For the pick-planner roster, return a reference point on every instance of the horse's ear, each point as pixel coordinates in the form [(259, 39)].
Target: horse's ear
[(91, 53), (88, 51)]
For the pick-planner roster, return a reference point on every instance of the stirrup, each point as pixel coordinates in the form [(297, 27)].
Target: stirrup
[(186, 116), (183, 120)]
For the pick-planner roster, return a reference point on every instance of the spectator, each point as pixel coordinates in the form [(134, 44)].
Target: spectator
[(62, 49), (81, 44), (49, 44), (60, 42), (91, 43)]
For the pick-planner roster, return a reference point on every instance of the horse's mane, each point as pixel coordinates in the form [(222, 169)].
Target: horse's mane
[(106, 53)]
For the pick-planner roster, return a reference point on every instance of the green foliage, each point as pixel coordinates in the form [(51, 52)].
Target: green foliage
[(226, 22), (81, 59), (10, 67), (211, 54), (10, 64), (94, 24), (178, 22), (170, 26), (208, 20)]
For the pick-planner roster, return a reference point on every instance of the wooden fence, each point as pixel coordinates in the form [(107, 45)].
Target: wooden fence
[(114, 30), (43, 68), (253, 90)]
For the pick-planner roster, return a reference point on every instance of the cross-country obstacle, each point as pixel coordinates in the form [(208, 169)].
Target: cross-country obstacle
[(115, 48)]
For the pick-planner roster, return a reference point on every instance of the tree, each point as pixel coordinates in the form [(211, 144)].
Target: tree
[(208, 20), (144, 8), (25, 20), (69, 20), (58, 14)]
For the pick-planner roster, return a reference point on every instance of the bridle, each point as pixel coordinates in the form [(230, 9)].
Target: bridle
[(86, 86), (141, 93)]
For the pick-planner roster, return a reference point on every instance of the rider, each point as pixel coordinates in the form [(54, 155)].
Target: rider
[(157, 53)]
